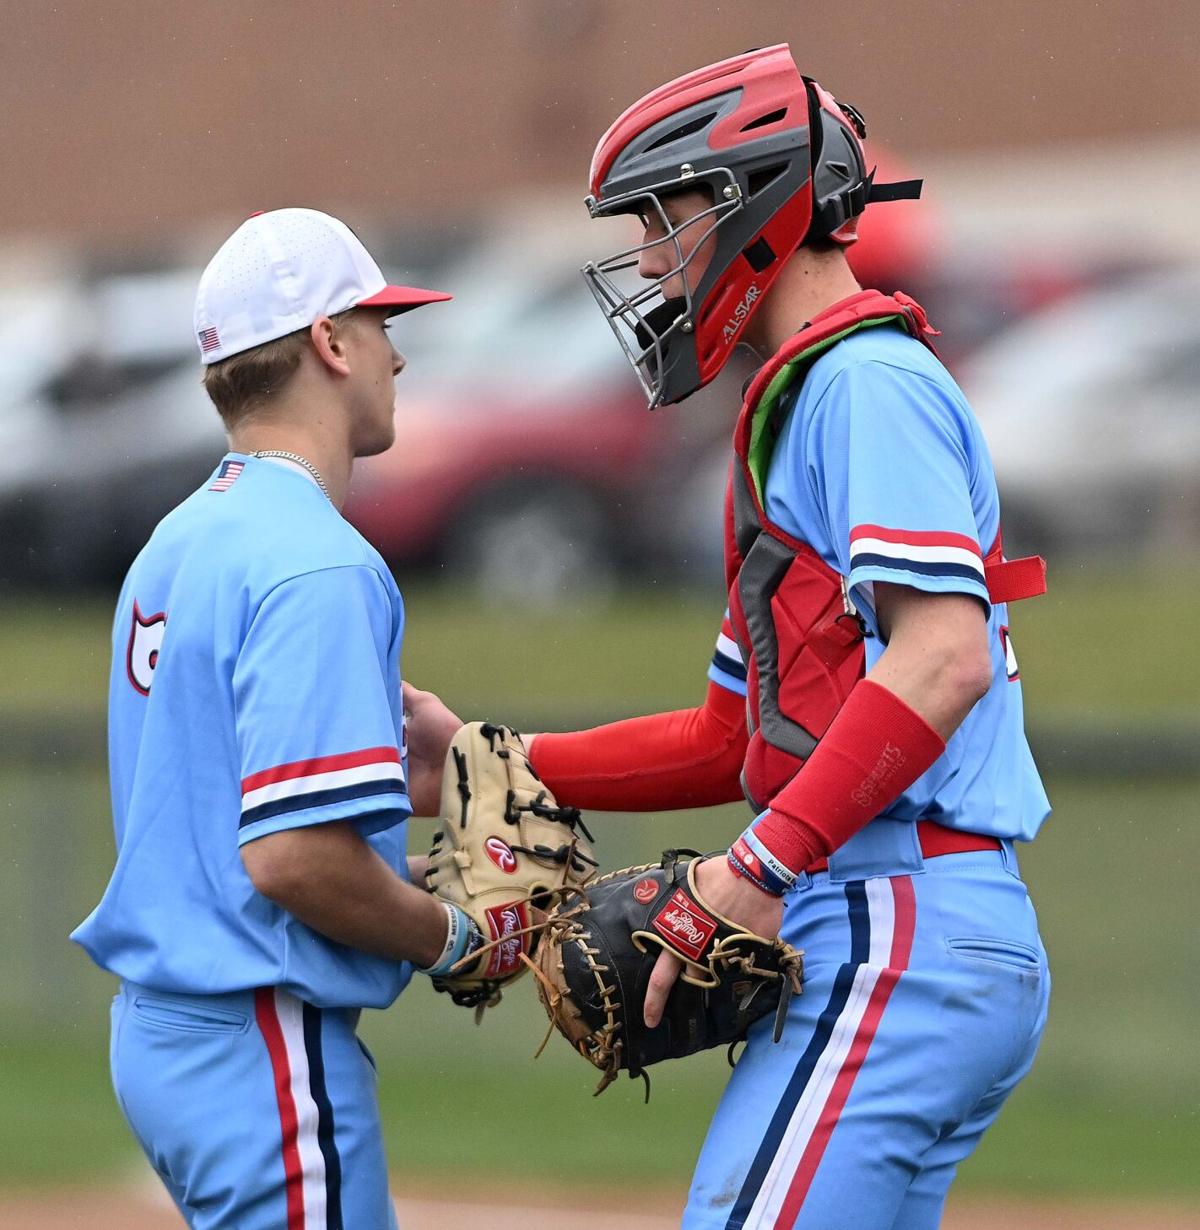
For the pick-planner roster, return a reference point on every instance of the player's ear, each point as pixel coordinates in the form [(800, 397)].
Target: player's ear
[(329, 341)]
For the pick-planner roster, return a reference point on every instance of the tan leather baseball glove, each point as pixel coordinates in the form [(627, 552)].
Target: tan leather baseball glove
[(505, 853)]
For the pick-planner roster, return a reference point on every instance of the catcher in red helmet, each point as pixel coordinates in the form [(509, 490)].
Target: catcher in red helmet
[(864, 697), (732, 168)]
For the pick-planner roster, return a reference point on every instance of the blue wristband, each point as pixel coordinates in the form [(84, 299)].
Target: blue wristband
[(462, 938), (751, 859)]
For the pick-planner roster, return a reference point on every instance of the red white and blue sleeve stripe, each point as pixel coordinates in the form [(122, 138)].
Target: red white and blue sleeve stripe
[(924, 559), (727, 668), (322, 788)]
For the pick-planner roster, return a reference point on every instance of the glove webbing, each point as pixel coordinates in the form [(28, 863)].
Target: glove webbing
[(464, 789), (537, 806)]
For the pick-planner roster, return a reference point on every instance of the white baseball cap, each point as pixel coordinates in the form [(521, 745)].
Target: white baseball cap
[(279, 271)]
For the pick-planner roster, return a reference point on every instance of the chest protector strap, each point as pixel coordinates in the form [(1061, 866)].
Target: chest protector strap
[(791, 613)]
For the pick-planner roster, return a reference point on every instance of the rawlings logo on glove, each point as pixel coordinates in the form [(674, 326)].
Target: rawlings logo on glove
[(500, 854), (507, 928), (685, 926)]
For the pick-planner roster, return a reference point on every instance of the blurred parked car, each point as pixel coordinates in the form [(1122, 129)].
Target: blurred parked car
[(104, 423), (1092, 412), (525, 459)]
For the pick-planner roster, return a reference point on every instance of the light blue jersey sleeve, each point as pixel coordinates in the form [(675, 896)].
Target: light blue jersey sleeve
[(891, 458), (727, 669), (316, 708)]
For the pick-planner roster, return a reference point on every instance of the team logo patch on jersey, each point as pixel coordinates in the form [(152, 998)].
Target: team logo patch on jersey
[(227, 475), (506, 920), (500, 852), (687, 926), (145, 642)]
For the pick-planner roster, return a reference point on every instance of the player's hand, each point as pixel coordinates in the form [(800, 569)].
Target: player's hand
[(737, 899), (431, 726)]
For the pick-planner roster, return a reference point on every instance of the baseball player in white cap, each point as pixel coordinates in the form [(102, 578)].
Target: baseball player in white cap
[(260, 778)]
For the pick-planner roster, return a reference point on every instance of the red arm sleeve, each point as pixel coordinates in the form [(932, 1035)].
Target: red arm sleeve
[(689, 758), (875, 748)]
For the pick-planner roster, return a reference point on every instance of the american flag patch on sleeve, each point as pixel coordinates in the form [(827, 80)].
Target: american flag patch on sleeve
[(227, 475)]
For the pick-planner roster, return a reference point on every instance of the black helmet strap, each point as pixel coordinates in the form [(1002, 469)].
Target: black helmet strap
[(850, 204), (901, 190)]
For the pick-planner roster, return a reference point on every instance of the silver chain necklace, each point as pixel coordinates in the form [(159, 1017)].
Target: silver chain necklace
[(300, 461)]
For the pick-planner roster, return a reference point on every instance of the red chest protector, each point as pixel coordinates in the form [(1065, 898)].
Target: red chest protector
[(799, 635)]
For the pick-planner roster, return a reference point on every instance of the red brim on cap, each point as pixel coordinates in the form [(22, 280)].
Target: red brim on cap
[(403, 298)]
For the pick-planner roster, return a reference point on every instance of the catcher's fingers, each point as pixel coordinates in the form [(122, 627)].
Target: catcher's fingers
[(662, 978), (431, 724), (429, 727)]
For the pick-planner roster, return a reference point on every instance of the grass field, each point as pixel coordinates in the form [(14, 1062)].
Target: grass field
[(1112, 1105), (1105, 642)]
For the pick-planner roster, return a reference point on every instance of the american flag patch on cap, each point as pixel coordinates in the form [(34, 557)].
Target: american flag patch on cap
[(227, 475), (208, 339)]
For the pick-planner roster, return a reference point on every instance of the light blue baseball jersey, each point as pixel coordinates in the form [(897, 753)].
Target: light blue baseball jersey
[(255, 687), (882, 468)]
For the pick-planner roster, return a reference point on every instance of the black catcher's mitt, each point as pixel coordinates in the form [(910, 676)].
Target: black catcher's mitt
[(596, 955)]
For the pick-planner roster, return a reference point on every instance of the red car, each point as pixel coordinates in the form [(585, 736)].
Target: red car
[(524, 452)]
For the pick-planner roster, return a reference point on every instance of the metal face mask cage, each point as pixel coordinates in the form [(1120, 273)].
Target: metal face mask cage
[(645, 321)]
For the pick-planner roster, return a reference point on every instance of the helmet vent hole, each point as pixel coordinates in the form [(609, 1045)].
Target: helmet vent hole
[(771, 117), (684, 130), (759, 255), (764, 177)]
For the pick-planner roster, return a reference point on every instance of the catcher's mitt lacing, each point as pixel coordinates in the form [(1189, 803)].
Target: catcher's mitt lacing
[(602, 1047)]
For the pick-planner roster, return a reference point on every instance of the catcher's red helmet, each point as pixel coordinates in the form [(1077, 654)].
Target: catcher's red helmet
[(784, 163)]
